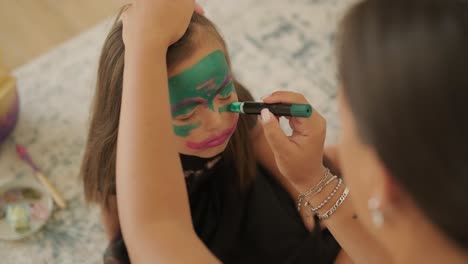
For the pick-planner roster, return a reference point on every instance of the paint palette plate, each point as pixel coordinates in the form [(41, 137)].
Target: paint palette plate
[(25, 206)]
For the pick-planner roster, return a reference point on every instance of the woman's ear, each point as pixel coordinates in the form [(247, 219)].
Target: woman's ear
[(386, 196)]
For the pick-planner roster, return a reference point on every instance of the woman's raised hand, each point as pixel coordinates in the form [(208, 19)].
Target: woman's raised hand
[(299, 157)]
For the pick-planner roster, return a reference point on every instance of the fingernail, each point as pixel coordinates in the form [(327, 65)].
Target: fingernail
[(266, 116), (265, 96)]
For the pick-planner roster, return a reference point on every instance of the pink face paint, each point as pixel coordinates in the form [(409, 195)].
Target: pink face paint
[(208, 85), (215, 140), (222, 89)]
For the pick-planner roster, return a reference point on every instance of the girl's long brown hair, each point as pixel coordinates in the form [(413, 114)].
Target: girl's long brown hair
[(99, 162)]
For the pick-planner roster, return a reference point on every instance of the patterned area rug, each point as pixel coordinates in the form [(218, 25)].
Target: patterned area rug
[(274, 45)]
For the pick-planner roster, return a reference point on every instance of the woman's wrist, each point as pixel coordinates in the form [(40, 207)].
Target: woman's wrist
[(310, 180), (330, 195), (324, 197)]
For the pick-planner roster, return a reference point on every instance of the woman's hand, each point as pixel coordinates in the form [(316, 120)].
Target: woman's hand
[(331, 159), (156, 23), (299, 156), (299, 159)]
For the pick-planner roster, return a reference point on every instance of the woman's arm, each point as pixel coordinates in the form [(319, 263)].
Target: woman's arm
[(295, 156), (265, 156), (345, 224), (153, 204)]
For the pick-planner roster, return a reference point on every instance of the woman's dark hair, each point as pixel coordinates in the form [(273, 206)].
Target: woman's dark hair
[(404, 68), (98, 167)]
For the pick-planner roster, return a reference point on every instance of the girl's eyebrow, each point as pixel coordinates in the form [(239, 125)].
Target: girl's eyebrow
[(188, 102), (226, 81)]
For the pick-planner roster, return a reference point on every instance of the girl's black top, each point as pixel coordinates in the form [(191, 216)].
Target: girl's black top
[(259, 224)]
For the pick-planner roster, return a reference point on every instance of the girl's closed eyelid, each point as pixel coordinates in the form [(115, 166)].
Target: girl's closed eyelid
[(187, 106), (225, 97), (185, 119), (187, 116)]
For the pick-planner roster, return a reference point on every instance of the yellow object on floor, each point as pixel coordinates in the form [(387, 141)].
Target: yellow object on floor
[(8, 94), (9, 105), (3, 75)]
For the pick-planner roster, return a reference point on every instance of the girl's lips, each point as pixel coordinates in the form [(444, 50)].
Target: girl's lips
[(213, 141)]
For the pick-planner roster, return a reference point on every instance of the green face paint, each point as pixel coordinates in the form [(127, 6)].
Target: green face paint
[(225, 108), (199, 85), (184, 131)]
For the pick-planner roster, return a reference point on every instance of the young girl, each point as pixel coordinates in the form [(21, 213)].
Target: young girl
[(239, 211)]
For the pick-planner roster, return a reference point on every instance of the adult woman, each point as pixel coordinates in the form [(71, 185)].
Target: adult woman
[(403, 147)]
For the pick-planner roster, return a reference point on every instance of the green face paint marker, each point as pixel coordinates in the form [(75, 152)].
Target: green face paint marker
[(184, 131), (254, 108)]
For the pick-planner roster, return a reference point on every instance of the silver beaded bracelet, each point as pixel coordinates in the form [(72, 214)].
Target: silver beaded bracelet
[(332, 210), (316, 188), (332, 194)]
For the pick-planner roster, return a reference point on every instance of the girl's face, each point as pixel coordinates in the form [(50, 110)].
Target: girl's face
[(200, 89)]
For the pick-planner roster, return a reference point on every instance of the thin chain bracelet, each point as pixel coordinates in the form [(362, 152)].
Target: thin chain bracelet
[(302, 196), (332, 194), (335, 207), (308, 204), (319, 190)]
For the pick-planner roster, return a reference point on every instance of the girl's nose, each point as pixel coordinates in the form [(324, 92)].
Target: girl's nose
[(213, 119)]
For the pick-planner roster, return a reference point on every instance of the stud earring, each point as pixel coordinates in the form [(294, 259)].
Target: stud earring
[(376, 212)]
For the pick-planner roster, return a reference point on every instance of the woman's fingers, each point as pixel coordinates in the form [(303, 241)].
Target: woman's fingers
[(276, 138), (285, 97), (299, 156), (199, 9)]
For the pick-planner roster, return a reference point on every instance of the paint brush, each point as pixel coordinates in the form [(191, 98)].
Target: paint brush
[(24, 155), (279, 109)]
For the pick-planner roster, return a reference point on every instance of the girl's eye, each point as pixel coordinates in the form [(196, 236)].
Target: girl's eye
[(225, 97), (186, 117)]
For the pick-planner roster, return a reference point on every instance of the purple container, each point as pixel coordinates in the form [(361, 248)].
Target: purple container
[(9, 108)]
